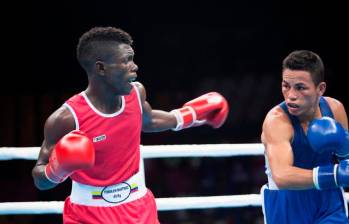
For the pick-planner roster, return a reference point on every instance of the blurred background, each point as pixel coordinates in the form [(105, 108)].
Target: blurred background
[(183, 50)]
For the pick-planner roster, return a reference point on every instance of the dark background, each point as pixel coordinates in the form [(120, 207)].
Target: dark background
[(183, 50)]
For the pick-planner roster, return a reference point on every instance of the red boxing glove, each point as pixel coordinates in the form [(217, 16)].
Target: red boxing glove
[(211, 108), (72, 152)]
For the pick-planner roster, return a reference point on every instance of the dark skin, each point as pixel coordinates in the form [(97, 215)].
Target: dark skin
[(108, 81)]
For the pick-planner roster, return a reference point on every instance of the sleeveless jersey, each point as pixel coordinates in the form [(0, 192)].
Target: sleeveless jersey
[(116, 138)]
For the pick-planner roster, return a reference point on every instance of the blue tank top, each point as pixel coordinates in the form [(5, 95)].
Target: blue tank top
[(303, 155)]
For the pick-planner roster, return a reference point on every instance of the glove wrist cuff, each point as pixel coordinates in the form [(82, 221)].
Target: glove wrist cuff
[(324, 177), (185, 117), (52, 177), (178, 119)]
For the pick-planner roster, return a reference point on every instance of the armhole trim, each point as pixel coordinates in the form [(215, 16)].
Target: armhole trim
[(139, 97), (74, 115)]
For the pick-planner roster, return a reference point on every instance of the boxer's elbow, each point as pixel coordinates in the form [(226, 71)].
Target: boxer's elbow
[(40, 181), (43, 185), (280, 182), (281, 179)]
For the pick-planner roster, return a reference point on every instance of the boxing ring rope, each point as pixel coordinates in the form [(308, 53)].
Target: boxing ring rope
[(157, 151), (152, 151), (163, 204)]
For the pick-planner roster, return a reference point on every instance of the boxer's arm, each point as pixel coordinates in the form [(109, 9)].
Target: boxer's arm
[(276, 136), (57, 125), (154, 120), (340, 115), (210, 108), (338, 111)]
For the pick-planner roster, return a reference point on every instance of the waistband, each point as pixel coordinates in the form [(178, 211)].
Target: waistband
[(106, 196)]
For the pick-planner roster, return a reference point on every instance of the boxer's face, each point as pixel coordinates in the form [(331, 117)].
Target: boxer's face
[(120, 70), (300, 93)]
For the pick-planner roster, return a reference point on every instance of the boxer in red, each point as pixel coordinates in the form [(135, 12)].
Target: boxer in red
[(94, 137)]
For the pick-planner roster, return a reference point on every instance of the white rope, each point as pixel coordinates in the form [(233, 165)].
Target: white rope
[(39, 207), (163, 204), (156, 151), (8, 153), (211, 150), (167, 204)]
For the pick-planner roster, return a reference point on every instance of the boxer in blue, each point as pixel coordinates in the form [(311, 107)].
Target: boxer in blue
[(306, 148)]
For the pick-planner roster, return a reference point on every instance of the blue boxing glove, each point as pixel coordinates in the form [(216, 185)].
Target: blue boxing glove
[(327, 134), (331, 176)]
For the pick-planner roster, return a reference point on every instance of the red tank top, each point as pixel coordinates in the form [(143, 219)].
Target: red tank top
[(116, 138)]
